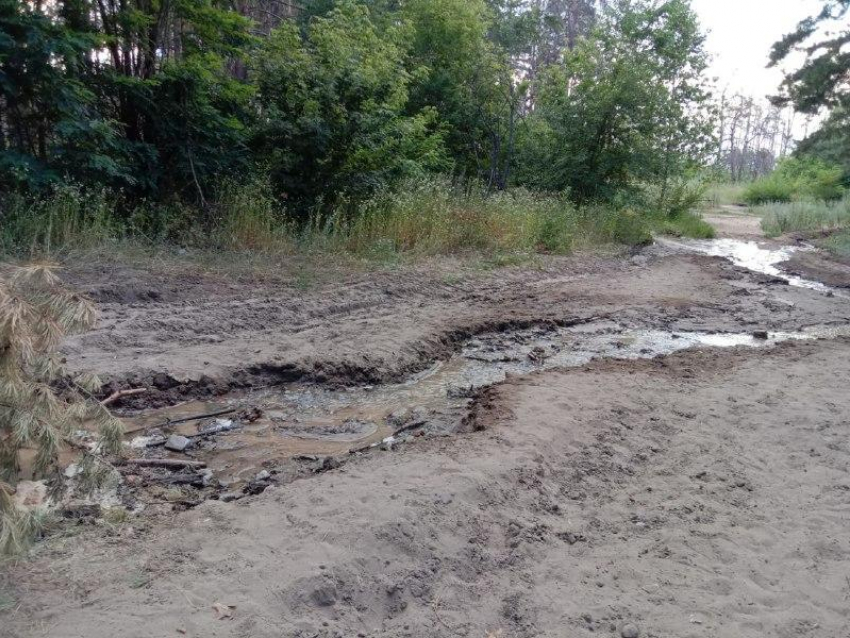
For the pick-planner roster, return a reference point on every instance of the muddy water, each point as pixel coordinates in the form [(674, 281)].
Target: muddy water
[(752, 256), (310, 420)]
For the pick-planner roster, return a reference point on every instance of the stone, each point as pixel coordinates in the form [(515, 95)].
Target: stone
[(629, 630), (163, 381), (206, 477), (324, 596), (762, 335), (263, 475), (177, 443), (228, 497)]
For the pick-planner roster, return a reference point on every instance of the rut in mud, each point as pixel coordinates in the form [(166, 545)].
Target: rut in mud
[(283, 431), (702, 492)]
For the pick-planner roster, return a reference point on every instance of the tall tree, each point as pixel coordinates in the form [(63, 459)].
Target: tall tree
[(335, 120), (627, 105), (823, 80)]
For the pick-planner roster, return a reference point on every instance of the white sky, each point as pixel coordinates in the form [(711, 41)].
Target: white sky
[(741, 33)]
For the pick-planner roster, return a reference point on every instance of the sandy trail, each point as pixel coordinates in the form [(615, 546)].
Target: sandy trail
[(706, 493)]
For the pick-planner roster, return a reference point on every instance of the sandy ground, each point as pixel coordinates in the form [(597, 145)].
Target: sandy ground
[(702, 494)]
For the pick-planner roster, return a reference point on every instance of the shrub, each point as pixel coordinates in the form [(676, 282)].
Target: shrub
[(797, 178), (769, 189), (812, 178)]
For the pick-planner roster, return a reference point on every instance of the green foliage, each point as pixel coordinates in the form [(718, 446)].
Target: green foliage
[(769, 189), (623, 108), (830, 143), (807, 216), (334, 124), (796, 178), (48, 127), (821, 81), (133, 118), (160, 112), (687, 225)]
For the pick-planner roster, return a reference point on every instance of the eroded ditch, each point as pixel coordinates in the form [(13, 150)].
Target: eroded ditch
[(313, 424), (258, 437), (755, 257)]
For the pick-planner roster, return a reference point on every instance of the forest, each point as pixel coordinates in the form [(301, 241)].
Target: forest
[(162, 116), (205, 121)]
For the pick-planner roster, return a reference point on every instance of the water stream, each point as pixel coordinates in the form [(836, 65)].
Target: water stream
[(752, 256), (315, 421)]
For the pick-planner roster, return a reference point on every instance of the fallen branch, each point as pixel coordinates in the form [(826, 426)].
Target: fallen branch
[(197, 417), (166, 463), (410, 426), (112, 398)]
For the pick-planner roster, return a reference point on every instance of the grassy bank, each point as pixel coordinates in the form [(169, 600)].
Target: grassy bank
[(425, 219), (826, 223)]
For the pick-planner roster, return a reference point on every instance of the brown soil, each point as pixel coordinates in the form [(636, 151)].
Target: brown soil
[(699, 494), (215, 335), (818, 266)]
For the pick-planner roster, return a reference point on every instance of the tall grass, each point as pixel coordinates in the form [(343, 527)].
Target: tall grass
[(726, 193), (810, 217), (66, 217), (423, 218), (430, 218)]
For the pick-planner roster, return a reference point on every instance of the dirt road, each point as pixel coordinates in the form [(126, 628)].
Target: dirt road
[(702, 493)]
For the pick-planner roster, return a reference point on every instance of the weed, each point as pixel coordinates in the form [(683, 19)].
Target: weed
[(725, 194), (688, 225), (838, 244), (115, 516), (7, 601), (804, 216), (427, 217), (140, 579)]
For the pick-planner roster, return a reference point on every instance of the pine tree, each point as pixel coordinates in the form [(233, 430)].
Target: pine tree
[(41, 404)]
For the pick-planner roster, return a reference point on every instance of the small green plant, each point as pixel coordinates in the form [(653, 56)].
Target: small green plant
[(41, 403), (7, 601), (140, 579), (688, 225), (838, 244)]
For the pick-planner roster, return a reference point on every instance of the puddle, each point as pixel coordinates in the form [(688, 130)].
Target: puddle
[(310, 420), (749, 255)]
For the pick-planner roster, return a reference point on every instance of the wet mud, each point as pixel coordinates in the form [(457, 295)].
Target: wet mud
[(281, 431), (655, 441)]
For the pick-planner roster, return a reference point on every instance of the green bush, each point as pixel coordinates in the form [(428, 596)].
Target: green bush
[(769, 189), (797, 178)]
